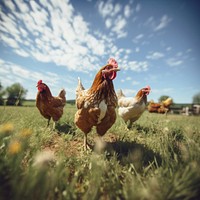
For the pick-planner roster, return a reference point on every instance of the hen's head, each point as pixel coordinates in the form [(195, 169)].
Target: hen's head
[(146, 90), (41, 86), (109, 71)]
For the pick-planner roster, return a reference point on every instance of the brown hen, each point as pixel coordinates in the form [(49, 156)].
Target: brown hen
[(48, 105), (96, 106), (161, 107)]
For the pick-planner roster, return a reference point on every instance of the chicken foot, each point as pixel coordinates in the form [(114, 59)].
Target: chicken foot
[(86, 145), (129, 125), (54, 124), (48, 122)]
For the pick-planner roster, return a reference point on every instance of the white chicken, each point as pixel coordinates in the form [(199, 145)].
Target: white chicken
[(131, 108)]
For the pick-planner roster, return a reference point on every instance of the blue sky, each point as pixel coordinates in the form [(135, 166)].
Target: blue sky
[(155, 42)]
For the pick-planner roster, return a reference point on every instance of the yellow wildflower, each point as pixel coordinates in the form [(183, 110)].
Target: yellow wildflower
[(25, 133), (14, 147), (6, 128)]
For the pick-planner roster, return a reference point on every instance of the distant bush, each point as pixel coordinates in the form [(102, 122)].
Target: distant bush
[(1, 94), (163, 98), (196, 98), (15, 94)]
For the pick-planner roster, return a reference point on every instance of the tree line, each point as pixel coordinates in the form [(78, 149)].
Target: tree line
[(16, 93), (12, 95)]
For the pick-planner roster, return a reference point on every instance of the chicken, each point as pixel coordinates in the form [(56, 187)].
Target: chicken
[(131, 108), (96, 106), (167, 102), (162, 107), (49, 106)]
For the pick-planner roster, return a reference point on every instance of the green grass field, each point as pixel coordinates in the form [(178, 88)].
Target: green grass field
[(159, 158)]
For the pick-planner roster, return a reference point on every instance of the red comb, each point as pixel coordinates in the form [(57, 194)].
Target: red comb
[(113, 62), (39, 82), (148, 87)]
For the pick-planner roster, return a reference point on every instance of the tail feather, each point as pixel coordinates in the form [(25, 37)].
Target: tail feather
[(120, 94), (62, 94), (79, 87)]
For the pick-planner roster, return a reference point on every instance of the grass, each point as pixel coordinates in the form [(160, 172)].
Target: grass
[(158, 158)]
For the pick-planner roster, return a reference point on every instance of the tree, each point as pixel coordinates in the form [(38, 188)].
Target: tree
[(1, 94), (196, 98), (15, 94), (163, 97)]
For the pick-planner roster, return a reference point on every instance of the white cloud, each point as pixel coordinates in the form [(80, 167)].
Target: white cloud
[(138, 7), (23, 73), (151, 78), (52, 31), (10, 5), (40, 17), (97, 46), (12, 73), (168, 48), (179, 54), (128, 78), (23, 7), (108, 8), (149, 20), (127, 11), (45, 32), (21, 52), (119, 25), (174, 62), (152, 23), (108, 23), (137, 66), (137, 49), (135, 83), (117, 9), (9, 41), (155, 55), (189, 50), (80, 27), (138, 38), (164, 21), (114, 20)]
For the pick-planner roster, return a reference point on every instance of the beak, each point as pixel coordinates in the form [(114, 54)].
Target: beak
[(117, 69)]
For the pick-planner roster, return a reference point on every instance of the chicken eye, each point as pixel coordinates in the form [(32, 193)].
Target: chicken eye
[(109, 67)]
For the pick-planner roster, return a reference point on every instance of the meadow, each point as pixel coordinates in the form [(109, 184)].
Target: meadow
[(158, 158)]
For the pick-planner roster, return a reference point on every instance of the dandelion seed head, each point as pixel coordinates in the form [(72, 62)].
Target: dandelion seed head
[(43, 158)]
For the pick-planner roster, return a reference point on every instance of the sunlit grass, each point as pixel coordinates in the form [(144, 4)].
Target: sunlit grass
[(158, 158)]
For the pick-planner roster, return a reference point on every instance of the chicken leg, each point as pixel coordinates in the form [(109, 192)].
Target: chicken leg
[(48, 122), (54, 125), (86, 145), (129, 125)]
